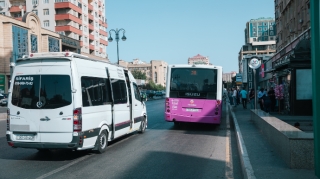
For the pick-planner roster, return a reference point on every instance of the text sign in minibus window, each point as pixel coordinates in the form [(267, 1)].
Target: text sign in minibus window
[(193, 83)]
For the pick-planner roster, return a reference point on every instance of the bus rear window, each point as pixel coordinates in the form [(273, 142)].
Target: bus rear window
[(41, 91), (193, 83)]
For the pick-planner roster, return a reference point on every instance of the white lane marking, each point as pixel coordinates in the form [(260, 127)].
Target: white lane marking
[(229, 165), (79, 160), (63, 167)]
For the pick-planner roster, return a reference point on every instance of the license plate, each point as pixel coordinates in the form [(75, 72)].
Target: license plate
[(192, 110), (24, 137)]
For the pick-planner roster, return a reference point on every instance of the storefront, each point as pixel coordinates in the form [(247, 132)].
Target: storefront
[(292, 70)]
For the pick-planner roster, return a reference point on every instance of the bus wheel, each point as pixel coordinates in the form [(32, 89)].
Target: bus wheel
[(102, 142), (143, 126)]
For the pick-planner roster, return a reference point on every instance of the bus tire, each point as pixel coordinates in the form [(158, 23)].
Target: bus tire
[(102, 142), (143, 126)]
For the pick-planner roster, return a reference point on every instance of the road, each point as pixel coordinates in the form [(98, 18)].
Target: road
[(163, 151)]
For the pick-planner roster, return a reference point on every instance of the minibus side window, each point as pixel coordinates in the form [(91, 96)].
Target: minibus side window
[(136, 92), (95, 91), (119, 89)]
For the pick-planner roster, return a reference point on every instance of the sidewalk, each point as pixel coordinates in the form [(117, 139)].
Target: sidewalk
[(258, 159)]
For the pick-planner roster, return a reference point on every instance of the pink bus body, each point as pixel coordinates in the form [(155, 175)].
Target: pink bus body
[(190, 99)]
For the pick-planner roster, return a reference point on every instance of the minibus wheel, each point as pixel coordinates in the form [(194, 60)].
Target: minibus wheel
[(102, 142), (143, 125)]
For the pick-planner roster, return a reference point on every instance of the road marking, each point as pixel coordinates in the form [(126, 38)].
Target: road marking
[(229, 166), (63, 167)]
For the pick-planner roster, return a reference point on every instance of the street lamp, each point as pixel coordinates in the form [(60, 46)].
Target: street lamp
[(110, 39)]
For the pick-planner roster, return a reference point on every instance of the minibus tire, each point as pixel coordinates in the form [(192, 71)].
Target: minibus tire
[(102, 142), (143, 126), (43, 150)]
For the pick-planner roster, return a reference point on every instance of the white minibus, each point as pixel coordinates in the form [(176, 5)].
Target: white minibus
[(64, 100)]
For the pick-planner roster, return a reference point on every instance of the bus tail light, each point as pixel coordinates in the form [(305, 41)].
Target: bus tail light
[(77, 120), (8, 119), (167, 107), (218, 102)]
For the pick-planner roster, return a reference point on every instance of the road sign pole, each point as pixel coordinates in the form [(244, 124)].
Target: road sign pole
[(255, 88), (315, 63)]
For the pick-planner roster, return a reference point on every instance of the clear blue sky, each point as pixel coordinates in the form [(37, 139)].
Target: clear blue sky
[(174, 30)]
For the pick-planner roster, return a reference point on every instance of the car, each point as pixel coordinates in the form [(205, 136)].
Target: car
[(4, 102)]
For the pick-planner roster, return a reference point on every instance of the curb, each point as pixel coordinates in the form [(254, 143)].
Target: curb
[(246, 166)]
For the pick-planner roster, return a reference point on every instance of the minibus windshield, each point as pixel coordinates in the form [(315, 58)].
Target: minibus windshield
[(41, 91)]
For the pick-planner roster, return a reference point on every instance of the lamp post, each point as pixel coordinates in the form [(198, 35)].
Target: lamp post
[(110, 39), (255, 63)]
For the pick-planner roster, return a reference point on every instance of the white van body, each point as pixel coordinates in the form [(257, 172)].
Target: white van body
[(80, 99)]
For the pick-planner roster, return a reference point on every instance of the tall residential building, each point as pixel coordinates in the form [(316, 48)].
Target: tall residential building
[(82, 20), (291, 64), (260, 38), (156, 70), (198, 59)]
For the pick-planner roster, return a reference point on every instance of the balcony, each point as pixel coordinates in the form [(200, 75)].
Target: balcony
[(99, 3), (91, 47), (81, 43), (91, 37), (68, 17), (90, 16), (104, 33), (104, 24), (100, 50), (100, 13), (69, 5), (91, 27), (90, 7), (68, 28), (103, 42), (17, 9)]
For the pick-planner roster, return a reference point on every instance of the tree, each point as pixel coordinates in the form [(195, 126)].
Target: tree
[(139, 75)]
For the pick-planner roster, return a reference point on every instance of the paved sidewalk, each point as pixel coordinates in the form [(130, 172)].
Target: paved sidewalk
[(258, 158)]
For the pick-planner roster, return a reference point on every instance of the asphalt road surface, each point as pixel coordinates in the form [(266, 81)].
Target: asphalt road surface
[(163, 151)]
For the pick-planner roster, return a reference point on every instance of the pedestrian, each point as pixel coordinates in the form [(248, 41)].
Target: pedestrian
[(260, 95), (238, 96), (234, 96), (272, 96), (266, 103), (252, 98), (244, 94)]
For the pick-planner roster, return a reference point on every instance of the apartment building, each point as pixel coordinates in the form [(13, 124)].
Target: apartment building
[(156, 70), (260, 38), (291, 64), (82, 20), (198, 60), (227, 77)]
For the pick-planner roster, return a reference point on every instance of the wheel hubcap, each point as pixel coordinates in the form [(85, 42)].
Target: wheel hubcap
[(103, 140)]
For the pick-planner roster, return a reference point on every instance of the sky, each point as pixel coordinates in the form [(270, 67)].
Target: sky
[(175, 30)]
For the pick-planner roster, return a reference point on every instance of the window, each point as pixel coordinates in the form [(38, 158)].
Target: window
[(34, 2), (265, 33), (95, 91), (119, 89), (2, 4), (260, 29), (45, 1), (271, 33), (136, 92), (35, 11), (86, 39), (42, 91), (155, 77), (45, 11), (46, 23)]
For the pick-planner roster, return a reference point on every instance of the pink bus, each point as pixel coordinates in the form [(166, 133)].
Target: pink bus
[(194, 94)]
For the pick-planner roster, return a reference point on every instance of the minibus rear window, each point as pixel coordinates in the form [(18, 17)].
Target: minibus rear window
[(41, 91)]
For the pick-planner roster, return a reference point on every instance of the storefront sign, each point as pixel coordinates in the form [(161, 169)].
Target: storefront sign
[(254, 63), (283, 61)]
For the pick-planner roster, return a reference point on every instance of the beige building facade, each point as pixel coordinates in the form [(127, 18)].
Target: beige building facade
[(156, 70), (227, 77), (198, 60)]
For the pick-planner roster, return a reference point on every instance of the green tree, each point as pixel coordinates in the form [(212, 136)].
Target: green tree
[(139, 75)]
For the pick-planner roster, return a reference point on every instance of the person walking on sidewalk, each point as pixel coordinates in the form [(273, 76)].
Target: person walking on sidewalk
[(266, 103), (252, 98), (244, 94), (230, 93), (234, 96), (260, 95)]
